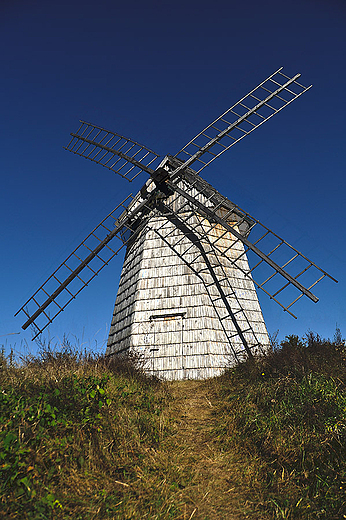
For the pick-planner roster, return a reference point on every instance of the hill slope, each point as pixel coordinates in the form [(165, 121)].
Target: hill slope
[(86, 439)]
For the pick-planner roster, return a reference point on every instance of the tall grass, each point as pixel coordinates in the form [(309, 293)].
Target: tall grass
[(286, 414), (87, 437), (73, 430)]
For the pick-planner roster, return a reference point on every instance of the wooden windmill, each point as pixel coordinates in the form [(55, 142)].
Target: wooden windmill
[(187, 295)]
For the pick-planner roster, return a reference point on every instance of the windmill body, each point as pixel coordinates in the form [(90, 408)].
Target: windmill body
[(176, 293), (194, 260)]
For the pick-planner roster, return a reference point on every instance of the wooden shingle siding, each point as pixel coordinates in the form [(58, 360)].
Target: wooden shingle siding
[(169, 308)]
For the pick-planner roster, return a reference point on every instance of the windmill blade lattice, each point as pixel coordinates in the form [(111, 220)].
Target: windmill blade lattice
[(120, 154), (254, 109), (82, 265), (278, 269), (204, 260)]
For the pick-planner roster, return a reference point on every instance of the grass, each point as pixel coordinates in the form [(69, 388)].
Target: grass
[(85, 437), (286, 415), (74, 430)]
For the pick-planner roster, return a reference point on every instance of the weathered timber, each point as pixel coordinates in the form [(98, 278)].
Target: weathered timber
[(175, 292)]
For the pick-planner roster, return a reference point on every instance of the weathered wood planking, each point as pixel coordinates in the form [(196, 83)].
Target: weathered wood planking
[(173, 314)]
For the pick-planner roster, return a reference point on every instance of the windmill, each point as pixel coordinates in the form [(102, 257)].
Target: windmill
[(187, 296)]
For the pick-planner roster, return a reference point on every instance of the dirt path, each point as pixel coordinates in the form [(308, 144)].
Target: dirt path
[(212, 491)]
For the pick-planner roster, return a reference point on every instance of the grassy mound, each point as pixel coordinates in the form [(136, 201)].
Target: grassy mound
[(73, 431), (286, 414), (86, 438)]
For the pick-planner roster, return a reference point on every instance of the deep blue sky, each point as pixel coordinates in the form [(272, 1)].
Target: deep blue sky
[(159, 72)]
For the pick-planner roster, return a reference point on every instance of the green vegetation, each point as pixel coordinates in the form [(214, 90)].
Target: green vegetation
[(84, 437), (286, 415), (74, 430)]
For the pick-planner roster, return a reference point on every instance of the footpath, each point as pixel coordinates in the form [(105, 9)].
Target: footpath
[(213, 488)]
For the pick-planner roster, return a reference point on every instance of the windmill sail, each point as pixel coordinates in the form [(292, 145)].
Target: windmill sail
[(82, 265), (254, 109), (280, 270), (120, 154), (204, 260)]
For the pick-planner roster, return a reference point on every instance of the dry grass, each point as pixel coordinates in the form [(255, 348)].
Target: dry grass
[(285, 414), (87, 438), (214, 484), (75, 430)]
